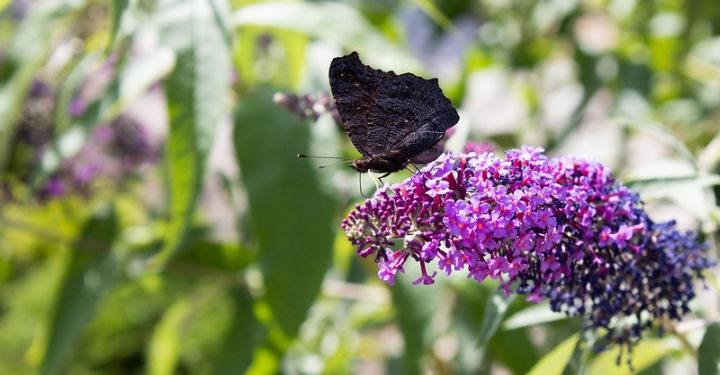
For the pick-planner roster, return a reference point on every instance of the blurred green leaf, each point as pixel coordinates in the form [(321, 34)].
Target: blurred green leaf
[(663, 135), (196, 93), (555, 361), (166, 341), (90, 273), (709, 351), (290, 216), (336, 23), (416, 306), (576, 363), (497, 306), (435, 14), (533, 315), (645, 354), (240, 338), (118, 8)]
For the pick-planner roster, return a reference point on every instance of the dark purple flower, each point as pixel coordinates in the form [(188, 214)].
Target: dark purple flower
[(560, 229), (54, 187), (307, 105)]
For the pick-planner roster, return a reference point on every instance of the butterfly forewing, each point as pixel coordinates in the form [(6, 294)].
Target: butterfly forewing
[(389, 118)]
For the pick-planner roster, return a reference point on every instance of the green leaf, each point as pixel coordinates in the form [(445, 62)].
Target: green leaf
[(435, 14), (532, 316), (290, 217), (118, 8), (554, 362), (583, 347), (166, 341), (644, 355), (709, 351), (416, 306), (240, 338), (196, 93), (495, 310), (89, 274), (332, 22)]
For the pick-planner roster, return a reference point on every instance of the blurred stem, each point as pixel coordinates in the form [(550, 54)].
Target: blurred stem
[(13, 94), (689, 348)]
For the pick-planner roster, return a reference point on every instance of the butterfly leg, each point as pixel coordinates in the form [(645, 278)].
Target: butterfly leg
[(378, 180)]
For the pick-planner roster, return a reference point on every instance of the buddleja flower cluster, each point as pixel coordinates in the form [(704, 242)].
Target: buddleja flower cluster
[(560, 229)]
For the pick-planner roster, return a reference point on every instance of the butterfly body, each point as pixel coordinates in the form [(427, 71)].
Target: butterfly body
[(391, 119)]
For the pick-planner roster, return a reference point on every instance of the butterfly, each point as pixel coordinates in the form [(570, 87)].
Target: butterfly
[(391, 119)]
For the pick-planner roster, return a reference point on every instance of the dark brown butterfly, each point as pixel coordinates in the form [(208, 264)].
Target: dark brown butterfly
[(391, 119)]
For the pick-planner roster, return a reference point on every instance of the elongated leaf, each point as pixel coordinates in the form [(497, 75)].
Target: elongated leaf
[(576, 363), (166, 341), (497, 306), (238, 349), (416, 305), (472, 308), (290, 216), (118, 9), (533, 315), (90, 273), (196, 92), (555, 361), (709, 351), (644, 355)]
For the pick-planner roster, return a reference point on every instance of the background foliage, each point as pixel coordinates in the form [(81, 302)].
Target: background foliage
[(154, 218)]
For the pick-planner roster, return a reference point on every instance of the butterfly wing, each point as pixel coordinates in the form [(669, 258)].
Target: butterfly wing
[(384, 113), (416, 114), (354, 87)]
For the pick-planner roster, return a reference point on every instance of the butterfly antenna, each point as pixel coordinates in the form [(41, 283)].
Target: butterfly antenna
[(342, 160)]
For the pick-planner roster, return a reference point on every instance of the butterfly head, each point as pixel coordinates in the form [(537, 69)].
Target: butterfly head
[(380, 164)]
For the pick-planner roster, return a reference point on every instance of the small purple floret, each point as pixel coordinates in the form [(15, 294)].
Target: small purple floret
[(559, 229)]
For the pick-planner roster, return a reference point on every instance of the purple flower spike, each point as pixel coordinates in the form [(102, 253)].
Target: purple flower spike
[(560, 229)]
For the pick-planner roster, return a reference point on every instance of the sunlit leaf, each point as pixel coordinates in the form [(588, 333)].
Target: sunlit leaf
[(644, 355), (555, 361), (336, 23), (196, 93), (533, 315), (166, 341)]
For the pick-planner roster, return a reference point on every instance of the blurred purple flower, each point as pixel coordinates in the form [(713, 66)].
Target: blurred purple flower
[(83, 173), (54, 187), (478, 147), (307, 105), (558, 229), (78, 106), (94, 86), (113, 152)]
